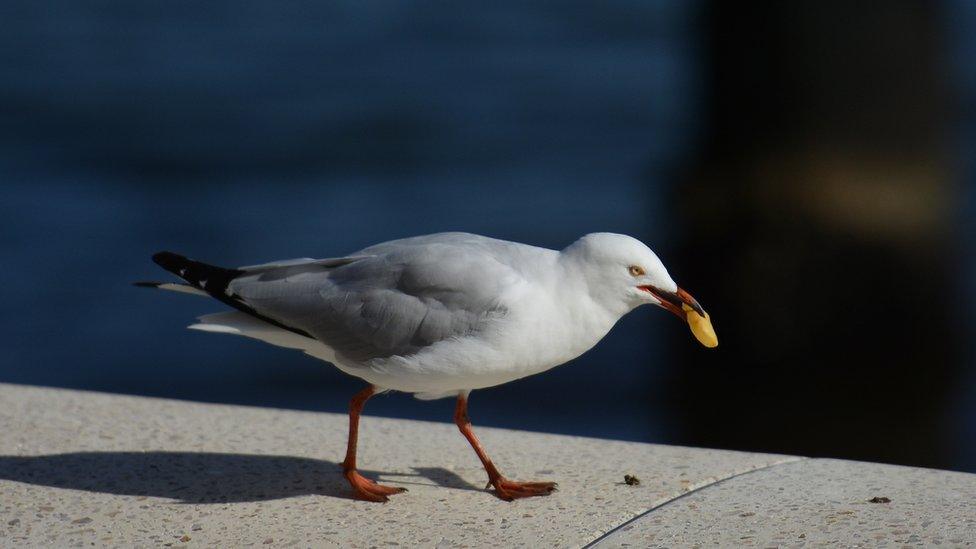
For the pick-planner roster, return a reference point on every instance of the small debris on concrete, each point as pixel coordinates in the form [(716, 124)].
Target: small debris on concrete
[(631, 480), (879, 499), (185, 538)]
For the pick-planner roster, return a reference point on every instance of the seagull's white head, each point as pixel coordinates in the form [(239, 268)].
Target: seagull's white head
[(622, 273)]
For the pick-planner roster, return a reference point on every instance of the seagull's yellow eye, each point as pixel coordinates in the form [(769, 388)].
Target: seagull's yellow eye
[(635, 270)]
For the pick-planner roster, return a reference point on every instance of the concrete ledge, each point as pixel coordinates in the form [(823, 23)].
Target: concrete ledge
[(82, 468), (817, 502)]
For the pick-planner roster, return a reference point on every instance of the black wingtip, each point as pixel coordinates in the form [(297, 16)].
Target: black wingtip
[(210, 278), (147, 284), (213, 280), (169, 260)]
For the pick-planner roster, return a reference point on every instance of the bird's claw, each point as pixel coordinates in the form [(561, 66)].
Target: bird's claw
[(369, 490)]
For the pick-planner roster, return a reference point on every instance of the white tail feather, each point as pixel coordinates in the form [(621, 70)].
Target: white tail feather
[(182, 288), (238, 323)]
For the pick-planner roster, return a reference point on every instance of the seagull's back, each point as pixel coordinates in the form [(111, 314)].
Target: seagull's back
[(520, 257)]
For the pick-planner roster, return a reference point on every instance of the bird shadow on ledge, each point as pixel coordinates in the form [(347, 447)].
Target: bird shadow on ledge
[(200, 477)]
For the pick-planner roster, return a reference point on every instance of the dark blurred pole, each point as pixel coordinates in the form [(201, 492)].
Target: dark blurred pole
[(817, 231)]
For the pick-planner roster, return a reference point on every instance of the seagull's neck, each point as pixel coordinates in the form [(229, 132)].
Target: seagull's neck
[(562, 318), (590, 305)]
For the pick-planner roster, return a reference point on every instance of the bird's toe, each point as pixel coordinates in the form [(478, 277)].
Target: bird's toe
[(510, 489), (369, 490)]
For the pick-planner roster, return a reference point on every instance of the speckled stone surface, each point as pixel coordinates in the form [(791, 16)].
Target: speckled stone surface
[(84, 469), (815, 503)]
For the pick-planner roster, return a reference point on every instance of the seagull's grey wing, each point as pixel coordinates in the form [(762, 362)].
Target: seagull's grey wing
[(290, 267), (392, 303)]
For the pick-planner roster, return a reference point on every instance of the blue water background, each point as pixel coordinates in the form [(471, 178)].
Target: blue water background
[(243, 132)]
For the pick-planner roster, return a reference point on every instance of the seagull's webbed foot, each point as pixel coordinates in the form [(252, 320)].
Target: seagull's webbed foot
[(369, 490), (512, 489), (505, 489)]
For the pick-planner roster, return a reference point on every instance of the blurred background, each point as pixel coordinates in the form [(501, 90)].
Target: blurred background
[(804, 169)]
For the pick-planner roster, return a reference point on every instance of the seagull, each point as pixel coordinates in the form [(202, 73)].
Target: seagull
[(440, 316)]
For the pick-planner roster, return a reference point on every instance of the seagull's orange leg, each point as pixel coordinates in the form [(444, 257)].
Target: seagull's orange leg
[(504, 488), (364, 488)]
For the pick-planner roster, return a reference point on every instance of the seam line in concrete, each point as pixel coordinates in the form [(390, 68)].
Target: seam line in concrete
[(641, 515)]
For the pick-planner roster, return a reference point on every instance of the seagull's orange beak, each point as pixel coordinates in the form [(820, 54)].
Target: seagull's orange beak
[(673, 301), (689, 310)]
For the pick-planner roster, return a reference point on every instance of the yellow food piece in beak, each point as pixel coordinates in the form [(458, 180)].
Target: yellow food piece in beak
[(701, 326)]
